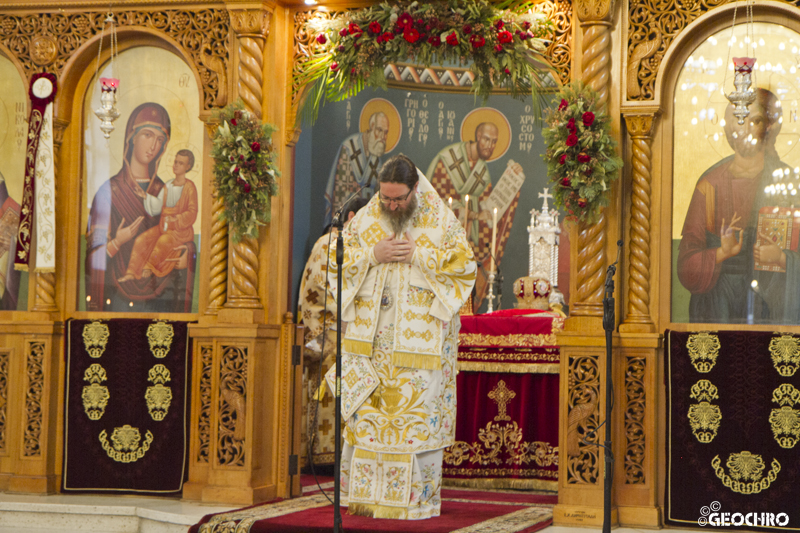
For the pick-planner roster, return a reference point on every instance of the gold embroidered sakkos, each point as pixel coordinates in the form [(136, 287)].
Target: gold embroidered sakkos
[(785, 421), (95, 396), (95, 338), (704, 417), (703, 350), (785, 351), (160, 335), (158, 396)]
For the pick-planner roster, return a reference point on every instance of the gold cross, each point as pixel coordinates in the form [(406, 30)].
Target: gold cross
[(457, 164), (502, 396), (325, 427), (354, 157), (478, 181)]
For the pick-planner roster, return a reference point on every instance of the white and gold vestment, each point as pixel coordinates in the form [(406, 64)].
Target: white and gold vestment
[(404, 319)]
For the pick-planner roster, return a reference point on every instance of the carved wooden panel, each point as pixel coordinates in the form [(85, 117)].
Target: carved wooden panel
[(652, 26), (34, 370), (232, 403), (4, 380), (583, 460), (204, 420), (635, 435), (47, 40)]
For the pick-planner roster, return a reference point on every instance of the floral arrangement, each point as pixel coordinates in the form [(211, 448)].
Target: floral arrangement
[(581, 155), (505, 47), (245, 174)]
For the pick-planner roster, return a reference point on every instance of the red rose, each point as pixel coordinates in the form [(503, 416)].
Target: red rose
[(477, 41), (565, 182), (334, 66), (343, 32), (341, 48), (467, 29), (562, 160), (571, 125), (583, 158), (235, 170), (321, 39), (388, 36), (525, 35), (355, 29), (508, 71), (405, 21), (411, 35), (505, 37), (452, 39), (526, 25), (588, 119), (434, 40), (256, 146), (231, 158), (353, 70), (581, 203), (499, 24), (246, 187), (420, 22), (241, 158), (233, 122), (563, 105), (375, 27), (588, 171), (572, 139)]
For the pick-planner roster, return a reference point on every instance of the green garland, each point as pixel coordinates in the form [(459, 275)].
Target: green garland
[(581, 155), (505, 47), (245, 174)]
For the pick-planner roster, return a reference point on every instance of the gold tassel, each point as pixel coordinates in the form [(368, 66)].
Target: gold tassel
[(357, 347), (366, 454), (361, 509), (517, 368), (417, 360), (396, 513)]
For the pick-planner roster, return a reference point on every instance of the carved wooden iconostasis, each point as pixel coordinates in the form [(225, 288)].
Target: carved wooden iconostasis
[(177, 63)]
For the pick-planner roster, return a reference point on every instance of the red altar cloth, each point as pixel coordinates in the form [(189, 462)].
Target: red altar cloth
[(507, 386)]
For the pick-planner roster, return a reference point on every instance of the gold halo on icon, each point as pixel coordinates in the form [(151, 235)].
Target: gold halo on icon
[(488, 114), (387, 108)]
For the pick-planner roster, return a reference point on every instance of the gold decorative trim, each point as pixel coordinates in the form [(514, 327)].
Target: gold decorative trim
[(785, 421), (95, 338), (583, 418), (160, 335), (785, 352), (499, 483), (5, 355), (158, 397), (204, 419), (635, 433), (357, 347), (703, 350), (232, 415), (33, 400), (494, 438), (514, 339), (514, 368), (500, 472), (416, 360), (95, 396)]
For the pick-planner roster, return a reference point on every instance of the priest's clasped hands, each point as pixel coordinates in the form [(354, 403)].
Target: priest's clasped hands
[(395, 250)]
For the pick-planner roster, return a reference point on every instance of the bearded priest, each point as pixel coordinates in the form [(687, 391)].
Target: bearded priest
[(407, 271)]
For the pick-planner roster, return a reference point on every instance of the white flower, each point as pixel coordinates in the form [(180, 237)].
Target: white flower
[(393, 17)]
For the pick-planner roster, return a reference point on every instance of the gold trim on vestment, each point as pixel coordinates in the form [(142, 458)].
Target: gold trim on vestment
[(373, 510), (416, 360), (516, 368), (357, 347), (361, 453), (514, 339), (502, 483)]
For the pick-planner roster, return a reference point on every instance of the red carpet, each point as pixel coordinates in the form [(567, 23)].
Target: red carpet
[(463, 511)]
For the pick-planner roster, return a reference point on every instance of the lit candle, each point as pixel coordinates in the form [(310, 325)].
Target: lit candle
[(466, 213), (450, 203), (494, 238)]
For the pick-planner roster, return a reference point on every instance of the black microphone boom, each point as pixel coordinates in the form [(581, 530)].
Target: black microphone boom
[(609, 323)]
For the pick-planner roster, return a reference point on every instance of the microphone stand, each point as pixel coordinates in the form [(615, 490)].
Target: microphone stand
[(609, 322), (337, 454)]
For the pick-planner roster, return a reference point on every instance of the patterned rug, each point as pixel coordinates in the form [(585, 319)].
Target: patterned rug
[(463, 511)]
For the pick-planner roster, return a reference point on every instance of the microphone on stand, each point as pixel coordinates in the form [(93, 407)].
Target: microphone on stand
[(336, 221)]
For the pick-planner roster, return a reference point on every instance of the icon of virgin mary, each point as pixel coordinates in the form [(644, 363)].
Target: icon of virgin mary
[(124, 207)]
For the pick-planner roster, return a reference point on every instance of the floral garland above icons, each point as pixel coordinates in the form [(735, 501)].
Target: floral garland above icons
[(504, 47), (581, 155), (245, 173)]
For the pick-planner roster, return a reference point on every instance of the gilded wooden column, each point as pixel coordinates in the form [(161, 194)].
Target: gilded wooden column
[(637, 318), (45, 295), (251, 27), (594, 16), (218, 263)]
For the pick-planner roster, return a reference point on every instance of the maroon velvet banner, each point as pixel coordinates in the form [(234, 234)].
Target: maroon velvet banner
[(733, 426), (507, 420), (126, 406)]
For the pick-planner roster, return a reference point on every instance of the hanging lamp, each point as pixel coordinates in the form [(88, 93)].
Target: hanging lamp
[(108, 112), (744, 95)]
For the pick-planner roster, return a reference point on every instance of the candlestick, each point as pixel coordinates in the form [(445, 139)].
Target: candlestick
[(494, 238), (466, 214)]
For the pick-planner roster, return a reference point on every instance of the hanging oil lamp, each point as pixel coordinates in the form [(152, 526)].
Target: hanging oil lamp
[(744, 95), (108, 112)]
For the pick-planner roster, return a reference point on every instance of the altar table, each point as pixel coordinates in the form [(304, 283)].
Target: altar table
[(507, 387)]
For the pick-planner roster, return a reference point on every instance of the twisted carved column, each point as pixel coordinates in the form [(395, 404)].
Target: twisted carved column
[(251, 27), (45, 295), (218, 280), (594, 17), (640, 128)]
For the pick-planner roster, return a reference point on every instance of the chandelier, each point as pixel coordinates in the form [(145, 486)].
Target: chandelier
[(108, 112), (744, 94)]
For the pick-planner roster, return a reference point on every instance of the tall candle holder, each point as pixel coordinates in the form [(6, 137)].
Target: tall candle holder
[(490, 297)]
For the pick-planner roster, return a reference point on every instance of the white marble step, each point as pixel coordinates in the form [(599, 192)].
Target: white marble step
[(107, 514)]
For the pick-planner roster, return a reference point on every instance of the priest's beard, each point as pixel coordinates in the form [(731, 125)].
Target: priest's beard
[(399, 217)]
